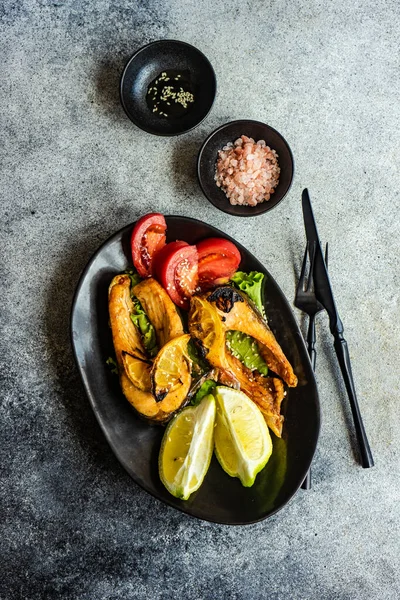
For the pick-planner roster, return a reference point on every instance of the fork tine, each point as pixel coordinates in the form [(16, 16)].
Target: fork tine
[(311, 272), (302, 277), (326, 254)]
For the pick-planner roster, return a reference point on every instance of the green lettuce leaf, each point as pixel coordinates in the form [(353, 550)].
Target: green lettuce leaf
[(204, 390), (252, 285), (147, 331), (245, 348), (140, 319), (135, 277)]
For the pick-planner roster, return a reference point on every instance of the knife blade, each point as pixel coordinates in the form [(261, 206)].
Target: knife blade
[(324, 293), (323, 290)]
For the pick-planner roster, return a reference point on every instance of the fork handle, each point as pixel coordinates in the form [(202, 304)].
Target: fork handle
[(311, 339), (312, 353), (342, 352)]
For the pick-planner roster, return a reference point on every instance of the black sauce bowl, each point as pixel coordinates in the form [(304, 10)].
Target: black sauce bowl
[(146, 64), (207, 158)]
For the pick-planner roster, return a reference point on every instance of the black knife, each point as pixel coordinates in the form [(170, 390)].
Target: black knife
[(323, 291)]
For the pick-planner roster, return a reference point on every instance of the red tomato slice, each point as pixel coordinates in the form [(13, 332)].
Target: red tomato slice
[(147, 239), (218, 260), (164, 255), (176, 269)]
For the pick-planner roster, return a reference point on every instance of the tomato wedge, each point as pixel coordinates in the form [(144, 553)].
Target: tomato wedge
[(147, 239), (218, 260), (175, 268)]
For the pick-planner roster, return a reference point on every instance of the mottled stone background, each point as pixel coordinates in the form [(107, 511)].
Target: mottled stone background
[(74, 169)]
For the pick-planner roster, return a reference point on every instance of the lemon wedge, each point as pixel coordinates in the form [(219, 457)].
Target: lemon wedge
[(187, 448), (243, 444)]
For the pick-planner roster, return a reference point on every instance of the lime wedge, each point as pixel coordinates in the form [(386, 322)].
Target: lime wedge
[(242, 441), (187, 448)]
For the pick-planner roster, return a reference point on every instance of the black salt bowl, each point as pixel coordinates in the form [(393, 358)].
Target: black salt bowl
[(207, 158)]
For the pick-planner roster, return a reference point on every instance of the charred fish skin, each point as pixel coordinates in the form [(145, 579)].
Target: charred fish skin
[(225, 298), (144, 403)]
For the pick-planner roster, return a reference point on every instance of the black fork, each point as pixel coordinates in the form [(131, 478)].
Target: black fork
[(306, 301)]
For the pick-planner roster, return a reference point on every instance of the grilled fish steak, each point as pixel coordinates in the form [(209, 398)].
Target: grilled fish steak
[(134, 367), (224, 309), (239, 314)]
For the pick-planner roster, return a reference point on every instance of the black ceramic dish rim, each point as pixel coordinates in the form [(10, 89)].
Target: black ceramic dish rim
[(121, 95), (104, 432), (220, 128)]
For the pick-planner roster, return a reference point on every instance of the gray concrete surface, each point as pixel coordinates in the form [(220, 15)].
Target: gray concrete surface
[(74, 169)]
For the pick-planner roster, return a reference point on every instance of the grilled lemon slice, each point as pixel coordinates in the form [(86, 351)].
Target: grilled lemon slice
[(138, 371), (171, 373), (205, 325)]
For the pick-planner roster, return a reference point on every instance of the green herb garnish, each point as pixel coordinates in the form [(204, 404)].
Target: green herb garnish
[(111, 362)]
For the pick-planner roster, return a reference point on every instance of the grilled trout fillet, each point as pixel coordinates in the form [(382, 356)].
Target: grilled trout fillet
[(238, 314), (134, 367), (224, 309)]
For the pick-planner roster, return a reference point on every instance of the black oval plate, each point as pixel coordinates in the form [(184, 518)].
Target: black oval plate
[(136, 444)]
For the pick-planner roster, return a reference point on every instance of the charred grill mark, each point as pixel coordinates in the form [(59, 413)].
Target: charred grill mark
[(161, 395), (225, 298), (203, 351), (137, 357)]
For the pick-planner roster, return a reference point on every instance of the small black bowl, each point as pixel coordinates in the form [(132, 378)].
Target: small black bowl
[(146, 64), (207, 158)]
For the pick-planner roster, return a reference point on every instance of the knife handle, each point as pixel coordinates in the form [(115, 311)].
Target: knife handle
[(345, 366)]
